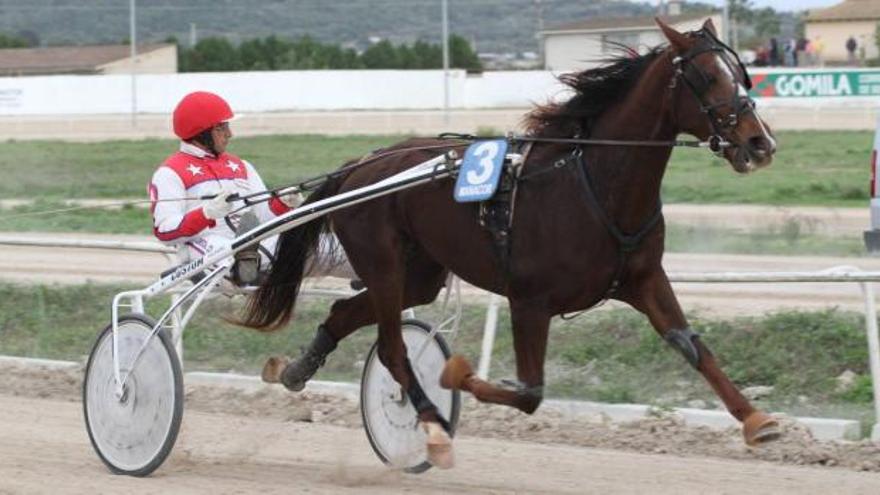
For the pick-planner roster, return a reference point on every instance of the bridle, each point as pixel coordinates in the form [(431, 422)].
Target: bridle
[(698, 82)]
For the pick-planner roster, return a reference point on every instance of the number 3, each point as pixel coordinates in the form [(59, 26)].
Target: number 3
[(486, 152)]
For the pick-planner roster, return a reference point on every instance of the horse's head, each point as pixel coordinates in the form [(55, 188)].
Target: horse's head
[(715, 104)]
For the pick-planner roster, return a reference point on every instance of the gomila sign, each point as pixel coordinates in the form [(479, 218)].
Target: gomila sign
[(816, 84)]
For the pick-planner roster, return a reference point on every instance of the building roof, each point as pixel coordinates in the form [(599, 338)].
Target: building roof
[(65, 59), (631, 22), (849, 10)]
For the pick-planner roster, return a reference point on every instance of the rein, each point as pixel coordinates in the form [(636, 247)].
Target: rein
[(714, 143)]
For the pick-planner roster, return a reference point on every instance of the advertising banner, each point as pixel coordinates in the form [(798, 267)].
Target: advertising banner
[(819, 84)]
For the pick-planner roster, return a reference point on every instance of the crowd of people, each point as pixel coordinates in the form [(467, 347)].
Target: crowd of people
[(803, 52)]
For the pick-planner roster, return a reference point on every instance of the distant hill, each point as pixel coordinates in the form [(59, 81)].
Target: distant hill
[(492, 25)]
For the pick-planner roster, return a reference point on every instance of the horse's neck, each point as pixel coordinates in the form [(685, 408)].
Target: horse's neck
[(627, 178)]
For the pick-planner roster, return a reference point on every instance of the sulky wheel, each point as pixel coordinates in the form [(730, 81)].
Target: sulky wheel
[(134, 433), (389, 418)]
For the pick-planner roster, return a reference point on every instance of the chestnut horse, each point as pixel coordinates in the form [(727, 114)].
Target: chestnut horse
[(587, 225)]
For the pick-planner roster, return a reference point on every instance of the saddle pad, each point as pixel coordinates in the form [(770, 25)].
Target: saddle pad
[(480, 171)]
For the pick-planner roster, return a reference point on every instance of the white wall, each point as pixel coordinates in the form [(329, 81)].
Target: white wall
[(274, 91), (300, 91)]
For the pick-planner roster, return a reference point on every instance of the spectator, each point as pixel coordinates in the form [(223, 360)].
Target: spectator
[(851, 46), (810, 53), (790, 46), (800, 54), (774, 52), (762, 56), (819, 51)]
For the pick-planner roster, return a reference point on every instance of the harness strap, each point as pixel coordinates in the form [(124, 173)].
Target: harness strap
[(627, 242)]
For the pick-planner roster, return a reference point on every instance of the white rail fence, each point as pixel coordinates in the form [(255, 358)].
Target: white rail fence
[(841, 274)]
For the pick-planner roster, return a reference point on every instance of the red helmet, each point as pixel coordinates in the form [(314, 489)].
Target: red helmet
[(198, 112)]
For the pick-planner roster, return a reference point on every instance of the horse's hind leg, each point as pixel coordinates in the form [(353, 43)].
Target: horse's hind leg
[(654, 297), (531, 324), (424, 279)]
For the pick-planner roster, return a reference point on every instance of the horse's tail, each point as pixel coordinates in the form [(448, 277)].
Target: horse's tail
[(272, 305)]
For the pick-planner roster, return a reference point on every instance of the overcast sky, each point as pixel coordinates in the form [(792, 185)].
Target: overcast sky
[(788, 4)]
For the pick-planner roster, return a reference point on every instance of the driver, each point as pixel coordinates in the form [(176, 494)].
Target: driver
[(202, 167)]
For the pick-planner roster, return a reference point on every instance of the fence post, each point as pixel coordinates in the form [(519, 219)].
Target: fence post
[(488, 337), (873, 353)]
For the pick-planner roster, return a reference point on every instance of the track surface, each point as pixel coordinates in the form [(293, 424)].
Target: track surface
[(76, 266), (45, 449)]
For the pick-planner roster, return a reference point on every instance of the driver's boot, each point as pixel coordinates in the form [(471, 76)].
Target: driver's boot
[(246, 270)]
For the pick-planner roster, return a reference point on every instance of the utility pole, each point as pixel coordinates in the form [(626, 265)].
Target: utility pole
[(133, 40), (193, 37), (539, 7), (725, 19), (445, 43)]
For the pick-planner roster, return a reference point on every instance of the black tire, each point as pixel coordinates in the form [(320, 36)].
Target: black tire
[(455, 396), (168, 433)]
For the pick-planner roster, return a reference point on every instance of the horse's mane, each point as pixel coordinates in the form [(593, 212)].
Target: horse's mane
[(595, 90)]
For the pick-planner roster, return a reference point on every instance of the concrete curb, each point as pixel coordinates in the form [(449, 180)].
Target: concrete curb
[(249, 383), (37, 363), (821, 428)]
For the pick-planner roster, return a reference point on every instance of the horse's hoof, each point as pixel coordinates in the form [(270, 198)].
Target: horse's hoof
[(759, 428), (455, 372), (439, 446), (273, 368)]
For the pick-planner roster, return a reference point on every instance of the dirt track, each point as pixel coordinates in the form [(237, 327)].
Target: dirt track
[(232, 454), (269, 441), (74, 266)]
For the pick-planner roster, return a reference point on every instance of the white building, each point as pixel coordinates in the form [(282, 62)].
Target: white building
[(582, 45), (833, 26)]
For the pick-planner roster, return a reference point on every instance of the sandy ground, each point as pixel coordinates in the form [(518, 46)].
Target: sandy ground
[(423, 122), (272, 440), (75, 266)]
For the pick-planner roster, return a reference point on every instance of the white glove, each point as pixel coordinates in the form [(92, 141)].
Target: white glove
[(292, 199), (218, 207)]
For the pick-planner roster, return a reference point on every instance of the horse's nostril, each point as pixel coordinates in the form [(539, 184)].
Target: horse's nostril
[(762, 145)]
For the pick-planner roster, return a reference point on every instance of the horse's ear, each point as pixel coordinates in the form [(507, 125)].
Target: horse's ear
[(676, 39), (710, 26)]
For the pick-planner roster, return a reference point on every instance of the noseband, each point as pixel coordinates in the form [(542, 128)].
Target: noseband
[(698, 82)]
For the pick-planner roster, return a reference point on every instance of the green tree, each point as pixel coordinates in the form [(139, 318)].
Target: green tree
[(461, 55), (766, 22), (336, 57), (212, 55), (427, 56), (740, 14), (306, 54), (382, 55), (263, 54), (9, 41)]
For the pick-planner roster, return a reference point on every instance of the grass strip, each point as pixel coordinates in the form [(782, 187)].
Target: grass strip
[(605, 355), (828, 168)]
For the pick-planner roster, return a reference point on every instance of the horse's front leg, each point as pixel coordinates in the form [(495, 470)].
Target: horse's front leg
[(531, 324), (654, 297)]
